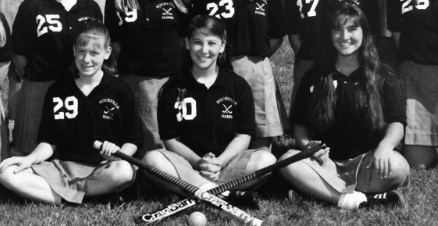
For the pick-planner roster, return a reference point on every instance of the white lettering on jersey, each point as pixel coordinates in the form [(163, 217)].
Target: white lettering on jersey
[(52, 21), (312, 10), (260, 8), (228, 105), (131, 16), (183, 109), (409, 5), (70, 105), (213, 9)]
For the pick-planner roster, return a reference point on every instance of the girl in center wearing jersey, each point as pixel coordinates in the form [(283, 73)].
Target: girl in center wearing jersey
[(88, 106), (354, 104), (148, 51), (206, 116), (248, 49)]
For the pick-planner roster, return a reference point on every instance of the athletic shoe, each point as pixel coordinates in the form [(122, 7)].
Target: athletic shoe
[(248, 199), (391, 198)]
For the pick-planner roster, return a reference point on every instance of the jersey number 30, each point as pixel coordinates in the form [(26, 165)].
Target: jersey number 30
[(70, 105), (213, 9)]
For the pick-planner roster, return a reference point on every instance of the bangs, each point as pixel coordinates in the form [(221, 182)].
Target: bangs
[(342, 20), (88, 39)]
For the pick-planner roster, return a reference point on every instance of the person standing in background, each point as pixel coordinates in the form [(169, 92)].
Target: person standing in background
[(415, 28), (5, 60), (42, 38), (148, 51)]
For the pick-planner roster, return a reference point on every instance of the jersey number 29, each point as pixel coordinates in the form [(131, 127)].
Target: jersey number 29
[(70, 104)]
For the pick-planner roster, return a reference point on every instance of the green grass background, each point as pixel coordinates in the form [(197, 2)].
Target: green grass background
[(275, 209)]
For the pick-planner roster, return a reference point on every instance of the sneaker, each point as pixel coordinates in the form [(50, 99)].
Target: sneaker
[(247, 199), (390, 198)]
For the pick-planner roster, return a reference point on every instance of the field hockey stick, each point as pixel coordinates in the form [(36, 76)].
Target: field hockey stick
[(189, 188), (189, 202)]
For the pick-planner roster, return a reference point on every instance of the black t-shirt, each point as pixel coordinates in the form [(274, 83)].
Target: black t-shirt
[(149, 38), (246, 22), (73, 121), (43, 32), (418, 23), (206, 120), (6, 50), (351, 136), (307, 18)]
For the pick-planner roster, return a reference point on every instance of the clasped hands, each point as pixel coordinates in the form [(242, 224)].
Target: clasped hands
[(210, 167)]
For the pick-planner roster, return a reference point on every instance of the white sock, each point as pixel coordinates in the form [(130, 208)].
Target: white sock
[(351, 200)]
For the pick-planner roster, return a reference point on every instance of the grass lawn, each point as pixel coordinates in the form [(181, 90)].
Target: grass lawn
[(275, 209)]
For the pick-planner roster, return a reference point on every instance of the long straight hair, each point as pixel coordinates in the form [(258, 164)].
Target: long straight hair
[(365, 102)]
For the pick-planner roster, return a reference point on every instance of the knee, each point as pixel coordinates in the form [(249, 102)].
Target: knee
[(294, 169), (154, 159), (8, 177), (400, 170), (263, 159), (120, 172)]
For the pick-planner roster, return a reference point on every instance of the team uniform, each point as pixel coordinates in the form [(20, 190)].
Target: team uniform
[(306, 18), (417, 22), (43, 32), (72, 122), (150, 54), (206, 120), (350, 140), (248, 47), (5, 60)]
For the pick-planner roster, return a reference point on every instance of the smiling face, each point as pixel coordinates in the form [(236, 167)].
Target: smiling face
[(90, 55), (204, 49), (347, 36)]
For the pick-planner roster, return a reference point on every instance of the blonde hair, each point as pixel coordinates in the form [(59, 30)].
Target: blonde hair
[(125, 5), (2, 34)]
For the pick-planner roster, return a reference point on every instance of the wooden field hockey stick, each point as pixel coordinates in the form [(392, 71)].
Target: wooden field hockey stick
[(189, 202), (189, 188)]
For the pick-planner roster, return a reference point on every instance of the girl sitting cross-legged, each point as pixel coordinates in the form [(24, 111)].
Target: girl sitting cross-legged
[(355, 106)]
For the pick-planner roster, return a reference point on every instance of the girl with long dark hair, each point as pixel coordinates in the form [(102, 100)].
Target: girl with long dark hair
[(354, 105)]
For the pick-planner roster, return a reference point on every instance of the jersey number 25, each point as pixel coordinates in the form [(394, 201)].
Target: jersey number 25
[(53, 24)]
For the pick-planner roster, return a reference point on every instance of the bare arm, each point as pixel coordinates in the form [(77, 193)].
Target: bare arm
[(19, 63), (381, 156), (396, 38), (42, 152), (238, 144), (295, 42), (174, 145)]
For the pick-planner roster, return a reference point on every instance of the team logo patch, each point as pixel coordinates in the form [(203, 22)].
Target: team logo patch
[(228, 105), (260, 8), (110, 106), (167, 10)]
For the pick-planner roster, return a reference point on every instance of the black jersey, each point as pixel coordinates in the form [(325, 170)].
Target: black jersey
[(307, 17), (206, 120), (350, 135), (149, 38), (246, 22), (73, 121), (43, 32), (418, 23), (6, 50)]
